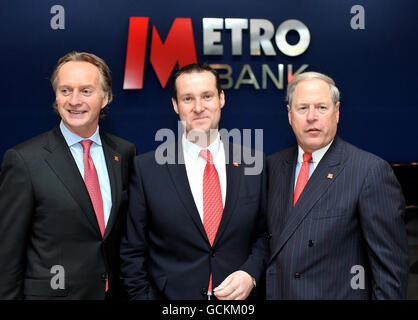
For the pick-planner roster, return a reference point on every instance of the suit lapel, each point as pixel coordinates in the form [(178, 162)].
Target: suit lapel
[(63, 164), (281, 200), (178, 174), (233, 183), (234, 173), (317, 185), (113, 163)]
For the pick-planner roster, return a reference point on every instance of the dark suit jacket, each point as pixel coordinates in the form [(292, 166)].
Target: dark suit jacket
[(166, 253), (47, 219), (349, 214)]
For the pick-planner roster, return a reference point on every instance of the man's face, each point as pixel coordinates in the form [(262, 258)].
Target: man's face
[(198, 102), (79, 97), (313, 117)]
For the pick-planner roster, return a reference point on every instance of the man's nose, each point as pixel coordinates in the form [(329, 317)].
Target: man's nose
[(199, 107), (75, 98), (312, 113)]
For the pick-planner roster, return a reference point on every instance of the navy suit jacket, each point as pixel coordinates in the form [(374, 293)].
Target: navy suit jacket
[(347, 220), (47, 219), (166, 253)]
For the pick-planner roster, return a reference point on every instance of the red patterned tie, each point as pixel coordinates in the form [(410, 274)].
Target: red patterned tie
[(212, 200), (91, 181), (303, 177)]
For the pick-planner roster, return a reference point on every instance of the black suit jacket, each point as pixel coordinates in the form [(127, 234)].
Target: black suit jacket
[(166, 253), (47, 219), (347, 219)]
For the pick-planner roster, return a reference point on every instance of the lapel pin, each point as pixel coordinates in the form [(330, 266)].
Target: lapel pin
[(330, 176), (235, 164), (116, 158)]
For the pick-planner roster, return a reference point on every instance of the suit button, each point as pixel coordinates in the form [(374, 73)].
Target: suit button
[(213, 254), (311, 243), (104, 276), (204, 292), (297, 275), (269, 236)]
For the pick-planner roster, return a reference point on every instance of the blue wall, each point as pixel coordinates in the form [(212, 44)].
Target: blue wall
[(376, 68)]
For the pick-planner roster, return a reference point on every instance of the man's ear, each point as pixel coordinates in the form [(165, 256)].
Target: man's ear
[(337, 111), (105, 100), (222, 98), (173, 101), (288, 114)]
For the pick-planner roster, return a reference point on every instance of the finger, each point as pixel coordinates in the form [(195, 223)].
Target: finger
[(242, 296), (225, 291), (234, 295), (230, 292)]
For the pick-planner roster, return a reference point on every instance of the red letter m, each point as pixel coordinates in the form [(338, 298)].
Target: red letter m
[(179, 47)]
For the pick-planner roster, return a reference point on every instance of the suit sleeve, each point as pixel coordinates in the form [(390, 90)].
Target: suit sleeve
[(381, 208), (257, 260), (16, 209), (134, 243)]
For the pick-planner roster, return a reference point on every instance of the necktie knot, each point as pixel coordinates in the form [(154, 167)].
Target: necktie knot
[(86, 145), (307, 157), (205, 154)]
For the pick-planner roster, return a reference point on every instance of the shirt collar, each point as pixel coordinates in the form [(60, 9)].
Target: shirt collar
[(71, 138), (193, 150), (316, 155)]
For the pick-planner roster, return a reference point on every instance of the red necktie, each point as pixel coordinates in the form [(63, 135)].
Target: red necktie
[(212, 200), (303, 177), (91, 181)]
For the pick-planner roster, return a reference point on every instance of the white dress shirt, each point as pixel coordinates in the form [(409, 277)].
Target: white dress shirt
[(195, 167), (96, 153)]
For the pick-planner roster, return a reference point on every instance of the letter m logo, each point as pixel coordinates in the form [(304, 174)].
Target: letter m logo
[(178, 48)]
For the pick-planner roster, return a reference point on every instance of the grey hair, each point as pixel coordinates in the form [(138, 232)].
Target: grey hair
[(333, 90)]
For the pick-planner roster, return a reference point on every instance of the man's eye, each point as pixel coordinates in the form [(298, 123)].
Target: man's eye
[(187, 99), (87, 91), (207, 97), (65, 91), (323, 109)]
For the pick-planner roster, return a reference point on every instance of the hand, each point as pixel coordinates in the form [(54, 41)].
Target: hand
[(237, 286)]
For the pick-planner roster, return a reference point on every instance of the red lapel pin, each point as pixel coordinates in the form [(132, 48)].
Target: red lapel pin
[(235, 164), (330, 176), (116, 158)]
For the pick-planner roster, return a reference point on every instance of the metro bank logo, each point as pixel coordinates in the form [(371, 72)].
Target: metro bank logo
[(179, 48)]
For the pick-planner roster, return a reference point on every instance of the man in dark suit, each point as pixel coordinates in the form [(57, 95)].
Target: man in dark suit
[(334, 211), (60, 235), (190, 236)]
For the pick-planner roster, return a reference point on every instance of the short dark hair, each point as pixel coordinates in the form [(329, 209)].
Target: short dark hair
[(196, 67), (105, 78)]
